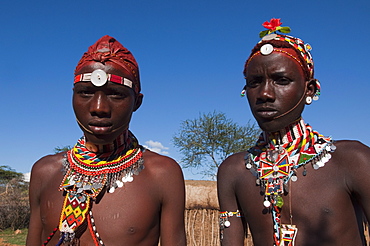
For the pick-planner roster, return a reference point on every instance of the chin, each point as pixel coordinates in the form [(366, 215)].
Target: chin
[(100, 139), (271, 126), (275, 125)]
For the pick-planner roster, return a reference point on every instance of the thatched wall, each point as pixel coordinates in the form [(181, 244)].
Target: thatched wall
[(201, 214), (201, 194)]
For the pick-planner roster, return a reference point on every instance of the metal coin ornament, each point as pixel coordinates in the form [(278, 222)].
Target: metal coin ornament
[(267, 49), (99, 77), (275, 159), (227, 223)]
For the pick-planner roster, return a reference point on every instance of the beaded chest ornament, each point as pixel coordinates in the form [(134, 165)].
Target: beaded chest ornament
[(274, 161), (88, 174)]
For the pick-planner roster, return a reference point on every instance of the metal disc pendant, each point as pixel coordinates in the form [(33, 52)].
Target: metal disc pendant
[(267, 203), (99, 77), (266, 49), (227, 223), (119, 184), (294, 178)]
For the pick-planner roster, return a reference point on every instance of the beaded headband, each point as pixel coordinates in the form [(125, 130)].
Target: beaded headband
[(99, 77), (108, 50), (302, 48), (302, 53)]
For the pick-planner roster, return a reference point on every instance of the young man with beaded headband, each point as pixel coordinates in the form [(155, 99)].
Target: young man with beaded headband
[(295, 186), (108, 189)]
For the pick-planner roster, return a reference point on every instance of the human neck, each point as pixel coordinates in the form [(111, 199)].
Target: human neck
[(110, 147), (291, 133)]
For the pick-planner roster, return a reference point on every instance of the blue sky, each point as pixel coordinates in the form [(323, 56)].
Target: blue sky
[(191, 56)]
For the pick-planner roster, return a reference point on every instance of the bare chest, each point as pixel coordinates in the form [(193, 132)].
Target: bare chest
[(129, 214), (318, 204)]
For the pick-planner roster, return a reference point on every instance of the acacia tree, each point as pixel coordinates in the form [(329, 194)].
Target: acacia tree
[(9, 177), (206, 141), (59, 149)]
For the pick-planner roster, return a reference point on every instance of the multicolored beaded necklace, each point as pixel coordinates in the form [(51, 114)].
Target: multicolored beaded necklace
[(275, 160), (88, 173)]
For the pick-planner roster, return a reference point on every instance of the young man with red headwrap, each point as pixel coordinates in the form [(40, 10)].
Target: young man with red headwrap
[(295, 186), (108, 189)]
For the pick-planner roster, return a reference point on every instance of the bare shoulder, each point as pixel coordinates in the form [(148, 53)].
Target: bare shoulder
[(47, 168), (48, 163), (165, 175), (232, 174), (159, 163), (352, 160), (349, 151), (233, 165), (162, 168)]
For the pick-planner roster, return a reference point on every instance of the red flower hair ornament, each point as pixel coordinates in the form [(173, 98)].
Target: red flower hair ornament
[(273, 26)]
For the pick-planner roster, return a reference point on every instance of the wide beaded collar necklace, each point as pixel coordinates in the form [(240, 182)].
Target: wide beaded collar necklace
[(88, 174), (274, 161)]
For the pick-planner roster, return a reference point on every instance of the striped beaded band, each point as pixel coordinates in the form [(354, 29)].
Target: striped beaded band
[(224, 220), (99, 78), (302, 48), (95, 168), (277, 50), (227, 214)]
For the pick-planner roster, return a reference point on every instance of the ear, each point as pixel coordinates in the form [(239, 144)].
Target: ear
[(311, 88), (138, 101)]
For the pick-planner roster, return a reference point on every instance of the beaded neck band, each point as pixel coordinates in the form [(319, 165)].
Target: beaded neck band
[(274, 161), (88, 174), (105, 149)]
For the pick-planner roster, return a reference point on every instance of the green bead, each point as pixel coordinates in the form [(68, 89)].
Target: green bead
[(279, 202)]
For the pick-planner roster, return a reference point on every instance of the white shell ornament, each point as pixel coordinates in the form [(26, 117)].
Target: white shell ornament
[(267, 203), (227, 223), (267, 49), (270, 36), (99, 77)]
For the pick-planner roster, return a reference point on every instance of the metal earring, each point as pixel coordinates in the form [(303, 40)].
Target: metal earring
[(308, 100)]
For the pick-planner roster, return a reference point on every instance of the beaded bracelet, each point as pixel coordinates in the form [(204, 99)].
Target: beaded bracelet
[(224, 220)]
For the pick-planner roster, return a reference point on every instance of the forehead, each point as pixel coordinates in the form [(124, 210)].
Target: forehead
[(275, 61)]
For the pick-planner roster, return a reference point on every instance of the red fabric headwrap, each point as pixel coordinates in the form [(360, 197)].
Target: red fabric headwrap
[(109, 49)]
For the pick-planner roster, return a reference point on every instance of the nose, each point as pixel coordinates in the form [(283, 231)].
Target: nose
[(99, 105), (266, 92)]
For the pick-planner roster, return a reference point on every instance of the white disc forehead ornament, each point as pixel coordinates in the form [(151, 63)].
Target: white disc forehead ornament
[(267, 49), (99, 77)]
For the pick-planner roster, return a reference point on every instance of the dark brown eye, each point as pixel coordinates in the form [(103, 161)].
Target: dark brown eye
[(85, 93), (253, 82), (283, 81)]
